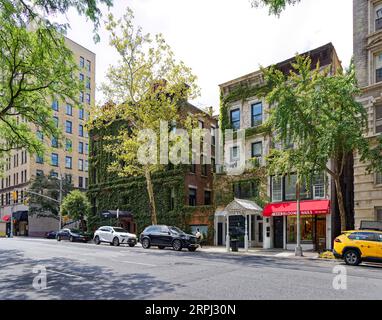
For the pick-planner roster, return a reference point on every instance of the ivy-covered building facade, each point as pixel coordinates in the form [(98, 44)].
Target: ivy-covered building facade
[(183, 193), (242, 108)]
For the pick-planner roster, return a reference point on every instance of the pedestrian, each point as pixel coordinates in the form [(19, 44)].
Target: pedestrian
[(199, 237)]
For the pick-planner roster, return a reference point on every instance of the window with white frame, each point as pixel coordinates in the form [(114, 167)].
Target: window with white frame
[(277, 185), (319, 186), (234, 154)]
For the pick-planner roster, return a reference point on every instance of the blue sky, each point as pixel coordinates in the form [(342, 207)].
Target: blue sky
[(224, 39)]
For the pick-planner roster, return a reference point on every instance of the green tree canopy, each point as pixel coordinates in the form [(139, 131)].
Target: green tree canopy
[(49, 186), (319, 113), (275, 6), (76, 206), (147, 86)]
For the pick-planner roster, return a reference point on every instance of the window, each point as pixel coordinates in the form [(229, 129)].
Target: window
[(192, 197), (257, 149), (290, 188), (213, 136), (81, 130), (86, 148), (55, 120), (54, 174), (81, 147), (207, 197), (201, 124), (80, 182), (81, 165), (40, 135), (54, 159), (82, 78), (68, 162), (277, 194), (204, 166), (54, 142), (307, 228), (86, 183), (235, 119), (39, 159), (39, 173), (69, 109), (378, 18), (378, 67), (319, 186), (88, 83), (55, 105), (68, 178), (257, 114), (88, 98), (86, 165), (245, 190), (81, 97), (378, 119), (68, 145), (88, 65), (68, 126), (234, 154), (365, 236), (81, 113), (82, 62), (379, 214)]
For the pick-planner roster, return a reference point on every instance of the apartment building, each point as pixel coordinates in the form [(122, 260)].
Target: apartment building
[(267, 216), (367, 43), (67, 158)]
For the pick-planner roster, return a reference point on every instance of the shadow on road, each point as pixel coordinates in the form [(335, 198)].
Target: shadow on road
[(72, 280)]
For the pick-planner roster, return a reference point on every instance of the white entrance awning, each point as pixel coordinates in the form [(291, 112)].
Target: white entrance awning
[(245, 208)]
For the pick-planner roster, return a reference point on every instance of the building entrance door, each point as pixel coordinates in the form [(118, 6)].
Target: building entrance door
[(278, 232), (320, 239), (220, 233)]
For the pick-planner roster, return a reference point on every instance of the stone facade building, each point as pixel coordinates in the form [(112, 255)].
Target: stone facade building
[(368, 65), (243, 109), (67, 158)]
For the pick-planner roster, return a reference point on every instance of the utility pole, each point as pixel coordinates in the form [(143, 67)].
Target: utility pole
[(14, 199), (298, 250), (60, 203)]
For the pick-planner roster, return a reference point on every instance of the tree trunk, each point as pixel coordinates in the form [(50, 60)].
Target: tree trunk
[(340, 200), (150, 191)]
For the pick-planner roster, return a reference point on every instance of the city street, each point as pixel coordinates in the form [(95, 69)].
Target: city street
[(87, 271)]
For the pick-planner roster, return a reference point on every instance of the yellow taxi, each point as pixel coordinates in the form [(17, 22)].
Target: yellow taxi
[(358, 246)]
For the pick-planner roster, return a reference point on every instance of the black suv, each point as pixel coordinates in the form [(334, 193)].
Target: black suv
[(165, 236)]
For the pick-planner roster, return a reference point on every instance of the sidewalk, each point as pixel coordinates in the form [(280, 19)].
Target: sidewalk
[(276, 253)]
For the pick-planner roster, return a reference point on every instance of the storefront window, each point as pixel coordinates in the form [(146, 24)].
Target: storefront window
[(307, 227)]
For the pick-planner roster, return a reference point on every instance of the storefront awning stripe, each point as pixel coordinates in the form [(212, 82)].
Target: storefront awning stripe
[(310, 207)]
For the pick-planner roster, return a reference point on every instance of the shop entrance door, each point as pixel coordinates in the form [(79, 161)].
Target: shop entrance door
[(279, 232), (320, 239)]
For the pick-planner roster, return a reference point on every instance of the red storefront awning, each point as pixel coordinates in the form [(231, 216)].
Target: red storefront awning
[(310, 207)]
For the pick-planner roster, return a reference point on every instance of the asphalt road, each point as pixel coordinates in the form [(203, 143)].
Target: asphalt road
[(86, 271)]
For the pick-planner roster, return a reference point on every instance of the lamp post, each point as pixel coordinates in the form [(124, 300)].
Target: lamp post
[(59, 204), (298, 250)]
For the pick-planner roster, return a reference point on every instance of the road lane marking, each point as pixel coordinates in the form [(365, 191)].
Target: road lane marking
[(66, 274), (139, 263)]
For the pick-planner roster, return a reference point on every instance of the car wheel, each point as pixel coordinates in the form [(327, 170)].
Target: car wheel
[(352, 258), (71, 239), (177, 245), (192, 249), (131, 245), (58, 238), (161, 247), (146, 243), (116, 242), (97, 241)]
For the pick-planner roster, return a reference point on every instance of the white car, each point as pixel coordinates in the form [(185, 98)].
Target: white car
[(115, 236)]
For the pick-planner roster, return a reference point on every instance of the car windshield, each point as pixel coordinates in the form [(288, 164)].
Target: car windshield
[(75, 231), (120, 230), (176, 230)]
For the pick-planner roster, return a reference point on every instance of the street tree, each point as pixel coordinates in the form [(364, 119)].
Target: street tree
[(275, 6), (147, 86), (47, 185), (76, 206), (318, 112)]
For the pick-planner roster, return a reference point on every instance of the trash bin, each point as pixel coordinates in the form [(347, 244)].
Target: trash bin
[(234, 246)]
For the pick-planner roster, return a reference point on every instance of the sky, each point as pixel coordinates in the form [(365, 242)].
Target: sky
[(225, 39)]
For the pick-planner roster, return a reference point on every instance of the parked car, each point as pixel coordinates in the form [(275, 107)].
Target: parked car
[(72, 235), (166, 236), (51, 235), (358, 246), (115, 236)]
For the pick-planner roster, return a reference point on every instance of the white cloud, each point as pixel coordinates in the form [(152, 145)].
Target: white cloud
[(224, 39)]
